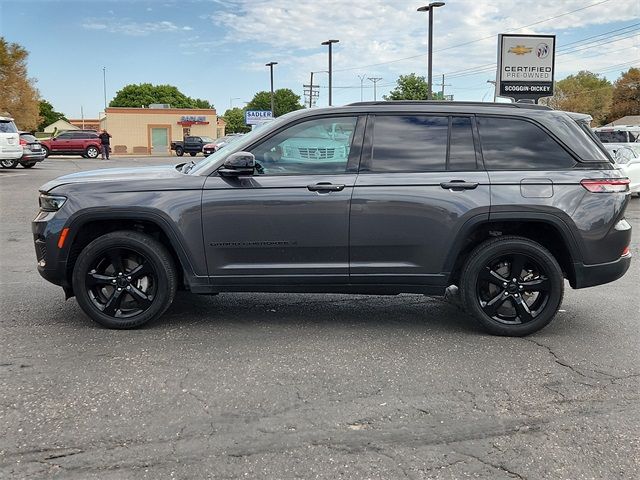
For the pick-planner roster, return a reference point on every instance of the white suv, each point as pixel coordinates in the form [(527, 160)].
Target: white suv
[(10, 148)]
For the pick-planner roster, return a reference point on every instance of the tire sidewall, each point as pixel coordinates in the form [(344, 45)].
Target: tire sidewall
[(179, 151), (493, 249), (152, 250)]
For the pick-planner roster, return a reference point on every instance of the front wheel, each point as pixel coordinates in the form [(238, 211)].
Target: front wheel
[(124, 279), (92, 152), (9, 163), (512, 285)]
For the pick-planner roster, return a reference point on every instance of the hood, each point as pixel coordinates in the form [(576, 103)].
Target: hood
[(119, 175)]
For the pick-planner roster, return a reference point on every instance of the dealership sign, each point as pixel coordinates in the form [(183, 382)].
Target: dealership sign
[(188, 120), (525, 66), (257, 117)]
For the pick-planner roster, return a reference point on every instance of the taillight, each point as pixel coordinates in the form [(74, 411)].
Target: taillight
[(23, 141), (606, 185), (626, 252)]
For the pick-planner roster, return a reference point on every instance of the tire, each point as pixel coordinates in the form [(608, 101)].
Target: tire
[(193, 154), (29, 165), (502, 305), (92, 151), (179, 151), (147, 284), (47, 152), (9, 163)]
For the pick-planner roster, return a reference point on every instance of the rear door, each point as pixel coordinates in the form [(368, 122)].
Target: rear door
[(420, 185), (62, 143)]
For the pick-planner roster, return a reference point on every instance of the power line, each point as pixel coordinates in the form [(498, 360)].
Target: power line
[(474, 41)]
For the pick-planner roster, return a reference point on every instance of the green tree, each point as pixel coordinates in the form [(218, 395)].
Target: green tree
[(144, 94), (284, 100), (19, 97), (234, 118), (48, 115), (411, 87), (584, 92), (626, 95)]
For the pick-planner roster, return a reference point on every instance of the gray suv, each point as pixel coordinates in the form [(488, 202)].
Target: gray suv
[(504, 201)]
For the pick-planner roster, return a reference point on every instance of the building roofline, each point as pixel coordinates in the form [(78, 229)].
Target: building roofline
[(185, 111)]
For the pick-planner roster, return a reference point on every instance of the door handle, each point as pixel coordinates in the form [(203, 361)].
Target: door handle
[(325, 187), (457, 185)]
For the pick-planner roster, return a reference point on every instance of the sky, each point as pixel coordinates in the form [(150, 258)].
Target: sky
[(217, 49)]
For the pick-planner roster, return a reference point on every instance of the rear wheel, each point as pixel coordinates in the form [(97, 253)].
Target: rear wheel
[(29, 165), (9, 163), (46, 151), (193, 154), (92, 152), (513, 286), (124, 279)]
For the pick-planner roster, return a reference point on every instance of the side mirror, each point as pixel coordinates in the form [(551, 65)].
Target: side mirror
[(238, 163)]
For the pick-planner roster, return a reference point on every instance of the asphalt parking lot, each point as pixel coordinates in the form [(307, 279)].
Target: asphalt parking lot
[(284, 386)]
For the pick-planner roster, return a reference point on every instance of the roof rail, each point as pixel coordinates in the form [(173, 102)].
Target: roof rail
[(448, 102)]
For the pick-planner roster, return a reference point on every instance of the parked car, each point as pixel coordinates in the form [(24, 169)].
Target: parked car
[(73, 142), (627, 158), (191, 145), (10, 148), (218, 143), (504, 201), (32, 150), (619, 134)]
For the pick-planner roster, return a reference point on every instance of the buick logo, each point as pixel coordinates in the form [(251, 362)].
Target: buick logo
[(542, 50)]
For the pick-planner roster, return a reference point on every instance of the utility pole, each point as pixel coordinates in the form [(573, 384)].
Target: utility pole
[(270, 65), (375, 81), (104, 87), (362, 79), (82, 115), (443, 85), (330, 43), (311, 92)]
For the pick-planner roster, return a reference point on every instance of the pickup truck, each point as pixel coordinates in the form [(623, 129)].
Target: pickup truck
[(191, 145)]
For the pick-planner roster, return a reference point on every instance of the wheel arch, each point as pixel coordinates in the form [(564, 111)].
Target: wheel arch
[(87, 226), (548, 230)]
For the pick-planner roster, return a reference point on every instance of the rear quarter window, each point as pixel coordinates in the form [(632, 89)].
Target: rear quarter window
[(7, 126), (516, 144)]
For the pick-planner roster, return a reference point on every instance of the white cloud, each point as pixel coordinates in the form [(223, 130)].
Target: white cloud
[(131, 28), (380, 31)]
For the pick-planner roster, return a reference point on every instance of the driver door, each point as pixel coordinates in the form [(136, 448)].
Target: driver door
[(289, 222)]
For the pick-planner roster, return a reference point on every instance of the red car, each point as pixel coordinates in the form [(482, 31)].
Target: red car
[(75, 142)]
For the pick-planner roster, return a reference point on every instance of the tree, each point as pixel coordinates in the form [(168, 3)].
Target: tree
[(584, 92), (19, 97), (284, 100), (626, 95), (411, 87), (144, 94), (48, 115), (234, 118)]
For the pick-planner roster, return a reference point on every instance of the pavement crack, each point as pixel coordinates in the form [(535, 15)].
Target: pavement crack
[(496, 466)]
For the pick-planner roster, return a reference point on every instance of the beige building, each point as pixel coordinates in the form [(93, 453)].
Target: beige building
[(151, 130)]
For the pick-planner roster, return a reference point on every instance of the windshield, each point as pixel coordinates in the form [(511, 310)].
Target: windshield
[(615, 136), (237, 145), (207, 139)]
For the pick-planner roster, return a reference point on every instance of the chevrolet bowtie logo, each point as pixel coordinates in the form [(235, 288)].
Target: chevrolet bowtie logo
[(520, 50)]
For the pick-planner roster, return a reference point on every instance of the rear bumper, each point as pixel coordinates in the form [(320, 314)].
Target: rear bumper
[(592, 275), (10, 152), (32, 157)]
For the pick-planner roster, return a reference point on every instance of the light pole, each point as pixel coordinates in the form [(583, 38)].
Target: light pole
[(495, 93), (362, 78), (330, 43), (429, 8), (104, 86), (270, 65), (375, 81), (231, 101)]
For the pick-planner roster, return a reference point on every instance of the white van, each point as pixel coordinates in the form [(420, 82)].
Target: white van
[(10, 148), (618, 134)]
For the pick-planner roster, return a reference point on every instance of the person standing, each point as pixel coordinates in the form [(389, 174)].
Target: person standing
[(106, 143)]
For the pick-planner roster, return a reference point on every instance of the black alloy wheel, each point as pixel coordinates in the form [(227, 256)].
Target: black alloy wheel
[(124, 279), (512, 285), (513, 289), (9, 163)]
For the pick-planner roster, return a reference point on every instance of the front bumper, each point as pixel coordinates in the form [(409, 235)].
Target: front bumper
[(51, 260), (592, 275)]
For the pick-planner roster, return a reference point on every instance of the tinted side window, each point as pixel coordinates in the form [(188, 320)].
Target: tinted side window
[(409, 143), (514, 144), (64, 136), (462, 151)]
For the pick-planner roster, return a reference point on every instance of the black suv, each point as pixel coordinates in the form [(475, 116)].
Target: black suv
[(503, 201)]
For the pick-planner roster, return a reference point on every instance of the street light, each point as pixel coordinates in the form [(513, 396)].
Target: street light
[(429, 8), (231, 101), (330, 43), (270, 65)]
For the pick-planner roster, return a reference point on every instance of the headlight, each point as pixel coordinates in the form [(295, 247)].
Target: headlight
[(51, 203)]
